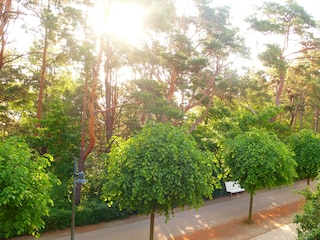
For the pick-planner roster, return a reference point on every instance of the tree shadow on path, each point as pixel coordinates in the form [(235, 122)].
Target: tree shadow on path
[(239, 229)]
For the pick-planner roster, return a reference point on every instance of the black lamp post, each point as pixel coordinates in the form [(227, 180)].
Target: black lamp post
[(78, 177)]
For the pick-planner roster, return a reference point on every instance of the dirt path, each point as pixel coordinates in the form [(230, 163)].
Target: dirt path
[(239, 229)]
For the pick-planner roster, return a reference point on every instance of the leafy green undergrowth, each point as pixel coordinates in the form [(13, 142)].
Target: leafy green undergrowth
[(90, 213)]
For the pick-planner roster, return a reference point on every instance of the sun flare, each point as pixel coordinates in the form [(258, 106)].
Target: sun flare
[(119, 19)]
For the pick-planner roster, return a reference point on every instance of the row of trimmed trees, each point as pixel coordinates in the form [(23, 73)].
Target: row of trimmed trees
[(162, 167), (157, 170)]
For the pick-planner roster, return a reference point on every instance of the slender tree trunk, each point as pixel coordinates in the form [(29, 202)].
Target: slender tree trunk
[(84, 116), (316, 120), (90, 102), (39, 114), (250, 208), (308, 181), (42, 76), (301, 114), (87, 151), (197, 121), (3, 44), (109, 116), (172, 87), (151, 226), (292, 117), (293, 112), (279, 90), (5, 7), (109, 113)]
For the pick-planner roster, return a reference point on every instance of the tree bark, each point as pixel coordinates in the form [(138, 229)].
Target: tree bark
[(171, 90), (279, 90), (110, 90), (43, 74), (198, 120), (301, 119), (109, 115), (172, 85), (151, 226), (250, 208), (5, 7), (84, 152), (316, 120)]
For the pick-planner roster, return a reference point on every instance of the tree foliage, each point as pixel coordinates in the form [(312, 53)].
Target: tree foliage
[(190, 61), (25, 186), (308, 220), (292, 26), (180, 71), (306, 146), (258, 160), (157, 170)]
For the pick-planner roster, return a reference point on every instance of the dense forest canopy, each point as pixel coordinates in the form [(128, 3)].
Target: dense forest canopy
[(77, 76), (146, 60)]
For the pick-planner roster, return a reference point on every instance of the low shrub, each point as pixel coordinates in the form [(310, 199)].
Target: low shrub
[(58, 219), (86, 214)]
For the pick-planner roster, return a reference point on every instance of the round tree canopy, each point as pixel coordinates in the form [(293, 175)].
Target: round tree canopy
[(157, 170), (258, 159)]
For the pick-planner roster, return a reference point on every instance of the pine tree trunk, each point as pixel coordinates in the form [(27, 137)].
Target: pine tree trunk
[(316, 120), (42, 77), (279, 90), (5, 7), (109, 116), (90, 102), (301, 114)]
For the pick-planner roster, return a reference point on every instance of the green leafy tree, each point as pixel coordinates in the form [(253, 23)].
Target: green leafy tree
[(60, 134), (157, 170), (292, 26), (191, 62), (304, 87), (25, 185), (16, 99), (258, 160), (150, 102), (308, 220), (8, 15), (306, 146)]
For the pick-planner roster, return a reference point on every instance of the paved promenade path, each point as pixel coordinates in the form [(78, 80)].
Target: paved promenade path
[(187, 222)]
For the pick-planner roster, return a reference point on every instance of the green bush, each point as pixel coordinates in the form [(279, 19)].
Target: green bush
[(308, 221), (58, 219), (95, 212), (25, 186), (86, 214), (219, 192)]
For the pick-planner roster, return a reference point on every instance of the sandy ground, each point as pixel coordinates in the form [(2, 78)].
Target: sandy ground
[(240, 229)]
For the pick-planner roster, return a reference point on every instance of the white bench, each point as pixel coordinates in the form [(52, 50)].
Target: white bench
[(233, 187)]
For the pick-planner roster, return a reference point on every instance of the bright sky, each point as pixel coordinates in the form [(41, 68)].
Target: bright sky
[(240, 9), (126, 25)]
